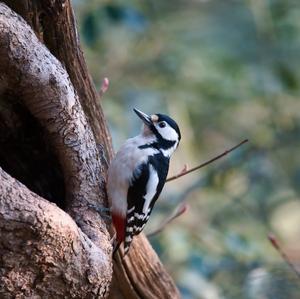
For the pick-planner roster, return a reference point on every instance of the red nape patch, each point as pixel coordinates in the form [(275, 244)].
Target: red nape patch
[(119, 223)]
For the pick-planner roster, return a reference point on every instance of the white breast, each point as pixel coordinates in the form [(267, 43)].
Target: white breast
[(120, 172)]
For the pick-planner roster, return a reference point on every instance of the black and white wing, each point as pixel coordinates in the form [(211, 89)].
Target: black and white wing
[(146, 185)]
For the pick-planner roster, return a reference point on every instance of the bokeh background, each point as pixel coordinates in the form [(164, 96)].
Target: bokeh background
[(226, 71)]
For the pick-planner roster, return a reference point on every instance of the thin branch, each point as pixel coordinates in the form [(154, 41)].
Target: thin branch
[(273, 240), (180, 209), (185, 171)]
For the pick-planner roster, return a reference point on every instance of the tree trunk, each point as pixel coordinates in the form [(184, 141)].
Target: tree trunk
[(55, 147)]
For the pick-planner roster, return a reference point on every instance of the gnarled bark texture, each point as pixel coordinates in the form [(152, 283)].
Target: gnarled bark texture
[(43, 252), (54, 139)]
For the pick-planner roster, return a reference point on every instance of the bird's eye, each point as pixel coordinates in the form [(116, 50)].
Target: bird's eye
[(162, 124)]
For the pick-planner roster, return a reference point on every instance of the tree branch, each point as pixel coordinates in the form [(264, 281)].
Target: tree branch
[(186, 171), (43, 252), (178, 211), (156, 283), (28, 69), (45, 87), (273, 240)]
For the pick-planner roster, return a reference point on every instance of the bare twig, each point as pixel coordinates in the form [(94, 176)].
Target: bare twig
[(185, 171), (273, 240), (104, 87), (179, 210)]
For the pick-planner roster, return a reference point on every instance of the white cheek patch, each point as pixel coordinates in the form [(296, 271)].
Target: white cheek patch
[(168, 133)]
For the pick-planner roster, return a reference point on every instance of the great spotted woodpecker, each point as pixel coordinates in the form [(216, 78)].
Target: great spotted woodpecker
[(138, 173)]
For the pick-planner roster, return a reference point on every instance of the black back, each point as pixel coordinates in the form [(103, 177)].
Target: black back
[(137, 191)]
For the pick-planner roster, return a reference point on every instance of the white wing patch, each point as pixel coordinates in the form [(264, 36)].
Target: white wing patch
[(150, 188), (122, 170), (130, 210)]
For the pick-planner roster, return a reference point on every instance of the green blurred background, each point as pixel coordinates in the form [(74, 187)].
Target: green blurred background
[(225, 70)]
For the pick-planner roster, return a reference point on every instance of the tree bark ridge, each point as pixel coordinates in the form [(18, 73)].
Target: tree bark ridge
[(37, 241), (44, 86)]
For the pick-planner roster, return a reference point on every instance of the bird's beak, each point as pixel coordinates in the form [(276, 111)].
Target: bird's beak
[(143, 116)]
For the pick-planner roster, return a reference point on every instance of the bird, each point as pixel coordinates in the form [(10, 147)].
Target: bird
[(137, 174)]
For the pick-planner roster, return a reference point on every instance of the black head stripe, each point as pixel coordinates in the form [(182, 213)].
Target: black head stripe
[(161, 144)]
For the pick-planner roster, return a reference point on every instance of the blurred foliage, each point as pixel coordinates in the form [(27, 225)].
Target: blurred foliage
[(225, 70)]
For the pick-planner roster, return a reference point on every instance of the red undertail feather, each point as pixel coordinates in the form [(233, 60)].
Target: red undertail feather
[(119, 223)]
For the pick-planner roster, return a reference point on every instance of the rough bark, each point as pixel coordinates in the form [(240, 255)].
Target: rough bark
[(141, 274), (64, 104), (43, 252), (30, 71), (54, 24), (45, 88)]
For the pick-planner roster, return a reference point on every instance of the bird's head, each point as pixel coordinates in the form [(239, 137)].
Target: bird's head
[(163, 128)]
